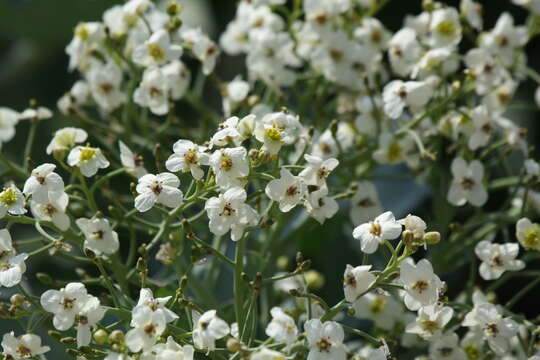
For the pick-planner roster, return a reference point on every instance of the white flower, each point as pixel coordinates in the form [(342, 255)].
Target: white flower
[(146, 298), (53, 210), (495, 329), (319, 11), (44, 184), (505, 38), (228, 132), (236, 91), (528, 234), (415, 225), (317, 170), (137, 7), (65, 304), (170, 350), (483, 127), (487, 72), (147, 326), (90, 313), (8, 119), (467, 183), (105, 82), (404, 51), (87, 38), (11, 201), (36, 114), (277, 129), (393, 149), (153, 91), (447, 347), (204, 49), (356, 281), (373, 233), (229, 211), (325, 340), (230, 166), (288, 190), (267, 354), (88, 159), (22, 347), (157, 50), (161, 189), (282, 327), (178, 78), (430, 321), (497, 258), (12, 267), (532, 167), (320, 206), (421, 283), (66, 138), (132, 162), (445, 27), (398, 94), (188, 157), (208, 328), (365, 204), (368, 352), (383, 310), (98, 235), (472, 12)]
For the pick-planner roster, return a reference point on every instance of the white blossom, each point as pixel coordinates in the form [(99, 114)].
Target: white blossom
[(98, 235), (497, 258), (421, 283), (188, 157), (230, 166), (44, 184), (356, 281), (158, 189), (373, 233), (22, 347), (288, 190), (88, 159), (325, 340), (467, 183), (208, 328), (229, 211)]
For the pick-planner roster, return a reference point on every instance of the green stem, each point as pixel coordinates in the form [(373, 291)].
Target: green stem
[(238, 288), (29, 144)]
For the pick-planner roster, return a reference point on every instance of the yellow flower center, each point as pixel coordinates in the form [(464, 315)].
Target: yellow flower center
[(87, 154), (81, 31), (532, 237), (156, 52), (377, 306), (394, 152), (447, 28), (429, 325), (8, 196), (273, 134)]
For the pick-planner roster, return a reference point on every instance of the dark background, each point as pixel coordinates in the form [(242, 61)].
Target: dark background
[(33, 65)]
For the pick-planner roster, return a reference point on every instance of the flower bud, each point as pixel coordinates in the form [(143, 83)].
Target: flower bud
[(233, 345), (408, 237), (100, 336), (282, 262), (117, 336), (17, 299), (45, 279), (314, 279), (432, 237)]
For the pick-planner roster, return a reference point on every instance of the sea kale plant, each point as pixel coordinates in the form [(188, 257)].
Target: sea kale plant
[(180, 217)]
